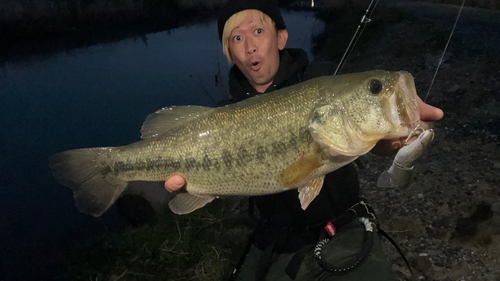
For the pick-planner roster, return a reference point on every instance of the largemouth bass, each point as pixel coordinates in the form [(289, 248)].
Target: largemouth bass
[(271, 143)]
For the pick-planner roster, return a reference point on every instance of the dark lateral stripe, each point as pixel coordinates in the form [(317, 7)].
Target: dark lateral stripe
[(148, 164), (227, 159)]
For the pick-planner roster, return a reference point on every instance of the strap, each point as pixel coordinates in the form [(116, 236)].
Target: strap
[(397, 248), (265, 261), (293, 266), (243, 256)]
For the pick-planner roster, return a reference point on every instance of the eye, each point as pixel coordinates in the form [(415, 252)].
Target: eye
[(259, 31), (375, 86), (237, 38)]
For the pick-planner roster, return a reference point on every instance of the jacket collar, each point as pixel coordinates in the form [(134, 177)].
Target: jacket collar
[(292, 63)]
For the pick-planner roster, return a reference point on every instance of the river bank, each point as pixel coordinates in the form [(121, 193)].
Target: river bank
[(42, 27)]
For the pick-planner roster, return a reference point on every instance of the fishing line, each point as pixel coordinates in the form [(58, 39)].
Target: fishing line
[(364, 21), (413, 132), (445, 48)]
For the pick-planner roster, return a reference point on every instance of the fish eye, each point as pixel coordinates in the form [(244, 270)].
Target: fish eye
[(375, 86)]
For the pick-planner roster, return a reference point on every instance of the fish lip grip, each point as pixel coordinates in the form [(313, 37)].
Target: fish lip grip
[(400, 172)]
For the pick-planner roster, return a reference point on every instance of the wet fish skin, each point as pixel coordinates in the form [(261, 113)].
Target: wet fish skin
[(263, 145)]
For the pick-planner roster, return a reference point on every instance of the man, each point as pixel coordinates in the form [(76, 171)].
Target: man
[(253, 36)]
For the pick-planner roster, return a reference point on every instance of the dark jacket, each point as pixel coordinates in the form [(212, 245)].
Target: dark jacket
[(341, 187)]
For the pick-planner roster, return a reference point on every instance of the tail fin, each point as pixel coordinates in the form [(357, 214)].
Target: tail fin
[(88, 174)]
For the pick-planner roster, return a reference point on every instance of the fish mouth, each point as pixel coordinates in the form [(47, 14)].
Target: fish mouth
[(405, 100)]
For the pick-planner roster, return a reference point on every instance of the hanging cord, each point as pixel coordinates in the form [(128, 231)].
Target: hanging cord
[(364, 21), (445, 48), (395, 244)]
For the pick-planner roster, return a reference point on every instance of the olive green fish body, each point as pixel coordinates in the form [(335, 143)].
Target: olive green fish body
[(263, 145), (235, 150)]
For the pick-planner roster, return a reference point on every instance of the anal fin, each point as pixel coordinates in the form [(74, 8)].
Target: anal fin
[(185, 203), (309, 191)]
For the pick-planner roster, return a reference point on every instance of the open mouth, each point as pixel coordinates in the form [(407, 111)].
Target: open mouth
[(406, 100), (255, 65)]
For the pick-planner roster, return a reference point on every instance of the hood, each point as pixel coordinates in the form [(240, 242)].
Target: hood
[(293, 62)]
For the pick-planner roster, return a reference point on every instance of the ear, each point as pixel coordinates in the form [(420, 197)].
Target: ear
[(282, 38)]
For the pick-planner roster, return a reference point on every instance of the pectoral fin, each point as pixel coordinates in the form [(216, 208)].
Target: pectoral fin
[(185, 203), (299, 170), (308, 192)]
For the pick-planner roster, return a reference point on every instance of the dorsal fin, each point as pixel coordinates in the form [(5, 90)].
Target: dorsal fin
[(170, 117)]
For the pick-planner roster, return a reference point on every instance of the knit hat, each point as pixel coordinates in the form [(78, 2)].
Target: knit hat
[(232, 7)]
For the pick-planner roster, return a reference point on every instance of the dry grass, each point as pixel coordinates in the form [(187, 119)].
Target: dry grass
[(203, 245)]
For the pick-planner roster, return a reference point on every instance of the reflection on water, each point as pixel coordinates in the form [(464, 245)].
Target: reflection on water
[(99, 96)]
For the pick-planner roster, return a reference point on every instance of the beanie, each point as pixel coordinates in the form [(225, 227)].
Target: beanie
[(232, 7)]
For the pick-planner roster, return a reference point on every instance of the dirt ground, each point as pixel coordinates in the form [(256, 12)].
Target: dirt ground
[(448, 220)]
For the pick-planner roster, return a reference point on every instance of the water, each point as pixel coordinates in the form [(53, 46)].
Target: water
[(88, 97)]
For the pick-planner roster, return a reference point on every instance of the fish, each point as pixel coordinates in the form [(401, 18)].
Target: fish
[(271, 143)]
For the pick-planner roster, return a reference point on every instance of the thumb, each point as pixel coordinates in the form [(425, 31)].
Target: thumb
[(174, 183)]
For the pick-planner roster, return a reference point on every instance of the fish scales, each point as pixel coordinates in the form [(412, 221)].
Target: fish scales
[(214, 163)]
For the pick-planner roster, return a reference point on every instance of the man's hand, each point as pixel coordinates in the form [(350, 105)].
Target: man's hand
[(428, 113), (174, 183)]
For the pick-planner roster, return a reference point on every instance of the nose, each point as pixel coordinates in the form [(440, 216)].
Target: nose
[(251, 46)]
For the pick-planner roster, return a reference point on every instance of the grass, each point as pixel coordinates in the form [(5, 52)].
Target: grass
[(203, 245)]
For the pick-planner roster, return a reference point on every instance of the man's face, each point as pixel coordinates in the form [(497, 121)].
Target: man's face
[(254, 47)]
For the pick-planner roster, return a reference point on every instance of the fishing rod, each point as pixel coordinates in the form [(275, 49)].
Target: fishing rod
[(367, 19), (357, 34)]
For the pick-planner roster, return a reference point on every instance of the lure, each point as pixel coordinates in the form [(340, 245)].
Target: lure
[(401, 170)]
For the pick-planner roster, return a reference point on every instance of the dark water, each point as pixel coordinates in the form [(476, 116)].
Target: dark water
[(95, 96)]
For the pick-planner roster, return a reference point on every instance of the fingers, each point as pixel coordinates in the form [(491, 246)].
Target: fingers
[(387, 147), (174, 183), (429, 113), (390, 147)]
